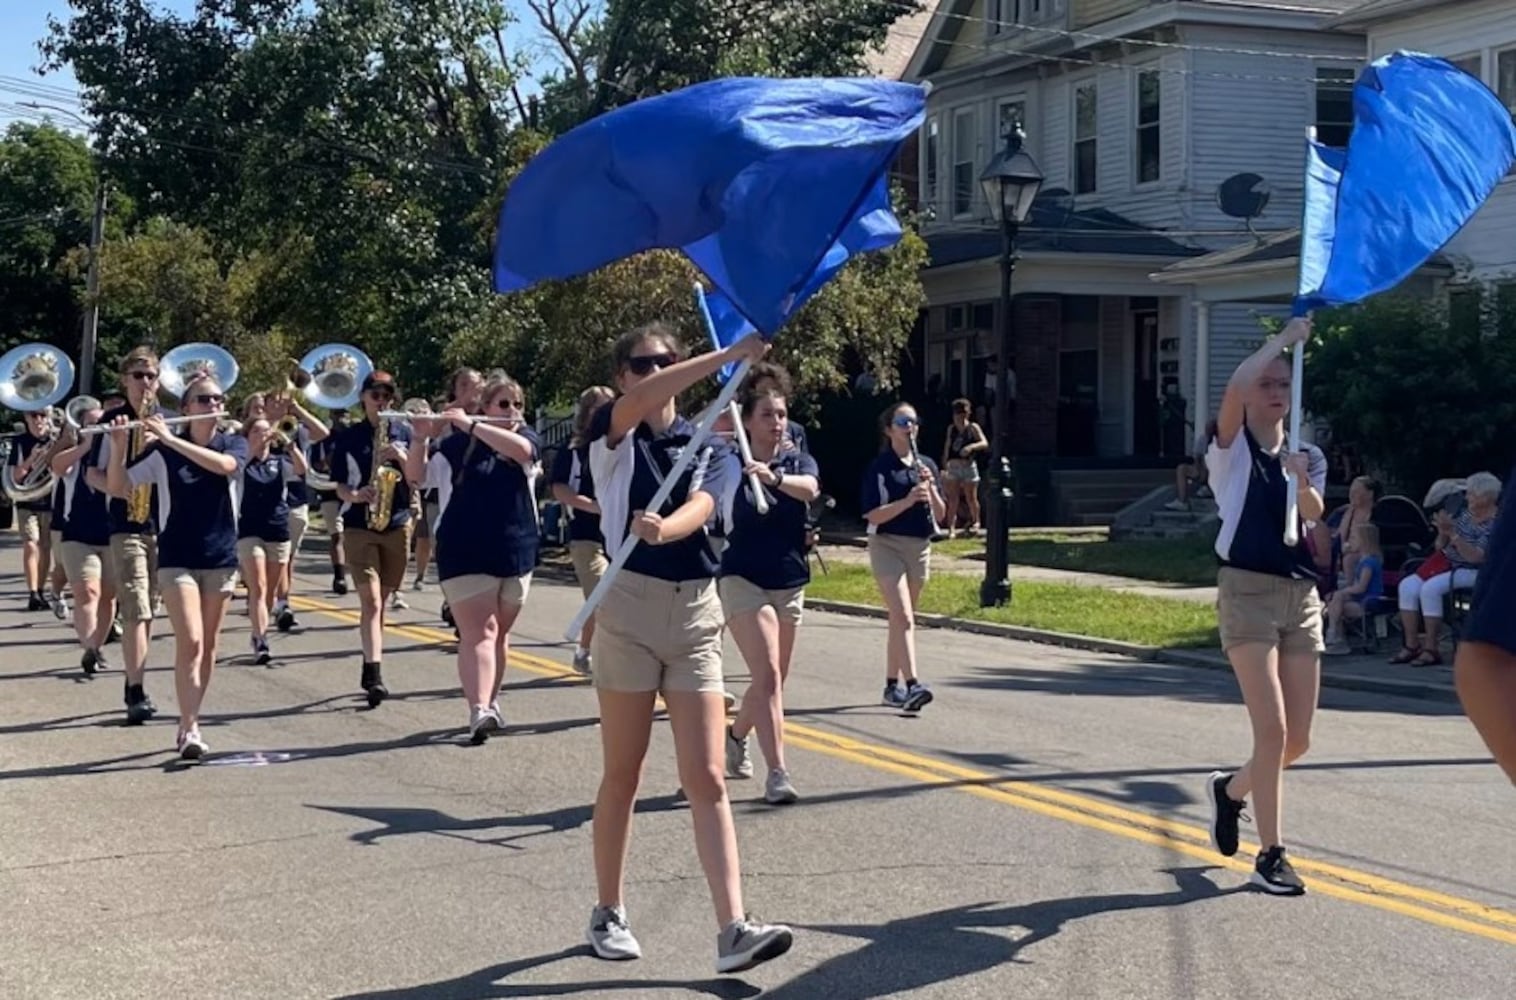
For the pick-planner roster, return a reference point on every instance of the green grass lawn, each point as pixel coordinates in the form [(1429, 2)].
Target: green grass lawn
[(1092, 611), (1186, 560)]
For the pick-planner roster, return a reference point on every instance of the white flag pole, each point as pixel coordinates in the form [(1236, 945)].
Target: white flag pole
[(1297, 390), (739, 432), (702, 432)]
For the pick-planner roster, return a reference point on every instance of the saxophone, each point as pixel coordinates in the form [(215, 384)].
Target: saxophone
[(384, 479), (139, 502)]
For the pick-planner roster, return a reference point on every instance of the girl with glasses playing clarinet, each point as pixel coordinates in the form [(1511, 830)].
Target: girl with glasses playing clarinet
[(195, 470), (903, 506)]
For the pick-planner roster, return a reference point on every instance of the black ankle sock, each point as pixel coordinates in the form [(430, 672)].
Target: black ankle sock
[(134, 693)]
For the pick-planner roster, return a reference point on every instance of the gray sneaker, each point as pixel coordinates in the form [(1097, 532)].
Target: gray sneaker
[(611, 936), (739, 755), (482, 724), (780, 791), (582, 663), (746, 943)]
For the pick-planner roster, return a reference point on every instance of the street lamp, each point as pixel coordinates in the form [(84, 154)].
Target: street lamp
[(91, 329), (1010, 184)]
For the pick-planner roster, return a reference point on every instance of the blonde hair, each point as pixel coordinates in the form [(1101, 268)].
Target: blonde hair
[(1368, 538)]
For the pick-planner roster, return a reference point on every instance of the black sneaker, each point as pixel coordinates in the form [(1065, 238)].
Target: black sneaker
[(139, 711), (261, 654), (339, 585), (286, 620), (917, 697), (89, 662), (36, 602), (1274, 874), (373, 684), (1225, 812)]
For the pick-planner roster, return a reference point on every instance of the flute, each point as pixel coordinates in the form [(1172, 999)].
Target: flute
[(167, 422), (937, 532), (403, 415)]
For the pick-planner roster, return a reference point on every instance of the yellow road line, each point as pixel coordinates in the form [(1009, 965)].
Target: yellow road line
[(1429, 906)]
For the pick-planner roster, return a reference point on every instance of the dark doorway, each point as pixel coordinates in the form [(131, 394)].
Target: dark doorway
[(1146, 428)]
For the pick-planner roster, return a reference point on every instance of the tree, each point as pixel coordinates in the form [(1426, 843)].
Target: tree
[(1419, 393)]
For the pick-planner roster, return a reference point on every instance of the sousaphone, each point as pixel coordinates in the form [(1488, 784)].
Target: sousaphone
[(32, 378), (336, 375), (180, 365)]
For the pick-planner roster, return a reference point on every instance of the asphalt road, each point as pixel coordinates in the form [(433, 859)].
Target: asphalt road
[(1037, 832)]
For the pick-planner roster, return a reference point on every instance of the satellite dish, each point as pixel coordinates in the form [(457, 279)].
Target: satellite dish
[(1243, 196)]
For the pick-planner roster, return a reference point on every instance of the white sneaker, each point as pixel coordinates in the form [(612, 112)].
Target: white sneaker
[(611, 936), (191, 746), (739, 755), (745, 943), (582, 663), (779, 790), (59, 602), (482, 724), (397, 603)]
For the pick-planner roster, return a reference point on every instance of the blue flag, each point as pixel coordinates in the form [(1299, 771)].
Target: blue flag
[(1429, 144), (755, 180)]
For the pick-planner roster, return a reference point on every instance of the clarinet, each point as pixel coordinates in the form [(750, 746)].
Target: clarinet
[(937, 533)]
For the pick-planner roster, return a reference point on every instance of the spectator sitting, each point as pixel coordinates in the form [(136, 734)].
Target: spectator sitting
[(1460, 549), (1363, 494), (1192, 472), (1350, 602)]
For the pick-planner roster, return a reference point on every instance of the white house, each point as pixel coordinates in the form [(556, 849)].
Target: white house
[(1138, 113)]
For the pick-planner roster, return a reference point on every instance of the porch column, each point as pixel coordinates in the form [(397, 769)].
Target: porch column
[(1202, 394)]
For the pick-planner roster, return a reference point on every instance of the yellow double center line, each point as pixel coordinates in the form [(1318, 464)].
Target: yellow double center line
[(1429, 906)]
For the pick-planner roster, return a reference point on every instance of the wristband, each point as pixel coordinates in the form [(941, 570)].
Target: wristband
[(778, 478)]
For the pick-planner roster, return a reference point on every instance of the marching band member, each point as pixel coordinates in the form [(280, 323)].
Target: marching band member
[(763, 576), (134, 541), (264, 530), (330, 505), (574, 488), (659, 631), (900, 501), (57, 597), (35, 516), (464, 388), (85, 551), (309, 432), (196, 471), (366, 462), (487, 535), (766, 376)]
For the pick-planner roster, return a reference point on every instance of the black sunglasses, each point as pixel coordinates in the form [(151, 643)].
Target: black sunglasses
[(381, 391), (646, 364), (142, 376), (208, 398)]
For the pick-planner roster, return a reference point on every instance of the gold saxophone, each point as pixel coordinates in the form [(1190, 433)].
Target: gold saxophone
[(384, 479), (139, 503)]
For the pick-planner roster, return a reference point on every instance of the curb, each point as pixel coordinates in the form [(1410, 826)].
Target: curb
[(1155, 654)]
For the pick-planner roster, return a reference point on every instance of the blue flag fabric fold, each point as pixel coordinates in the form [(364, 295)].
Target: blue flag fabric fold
[(757, 181), (1429, 144)]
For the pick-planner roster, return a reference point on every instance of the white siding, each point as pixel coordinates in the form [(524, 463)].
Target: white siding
[(969, 46), (1486, 245), (1235, 333)]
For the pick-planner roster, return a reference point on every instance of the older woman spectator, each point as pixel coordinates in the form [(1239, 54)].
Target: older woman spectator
[(1462, 540)]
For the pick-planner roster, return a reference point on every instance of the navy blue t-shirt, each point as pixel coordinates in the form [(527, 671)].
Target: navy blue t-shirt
[(571, 468), (888, 479), (488, 523), (1253, 538), (87, 518), (297, 493), (198, 508), (796, 433), (23, 447), (59, 515), (626, 478), (767, 550), (265, 511), (352, 465)]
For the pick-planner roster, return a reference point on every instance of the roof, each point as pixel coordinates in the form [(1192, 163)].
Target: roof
[(1364, 13), (1282, 248), (1052, 229), (892, 57), (1304, 6)]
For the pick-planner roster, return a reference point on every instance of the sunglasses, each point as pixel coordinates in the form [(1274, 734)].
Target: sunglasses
[(508, 404), (381, 393), (905, 421), (143, 376), (646, 364), (208, 398)]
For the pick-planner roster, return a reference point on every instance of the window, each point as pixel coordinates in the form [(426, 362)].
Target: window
[(1149, 142), (1472, 64), (1085, 129), (1505, 78), (1334, 106), (930, 151), (964, 143), (997, 15), (1009, 115)]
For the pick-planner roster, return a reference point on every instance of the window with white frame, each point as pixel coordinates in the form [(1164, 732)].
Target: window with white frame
[(1505, 78), (1334, 105), (1009, 115), (1472, 64), (1086, 129), (1149, 139), (965, 142), (931, 151)]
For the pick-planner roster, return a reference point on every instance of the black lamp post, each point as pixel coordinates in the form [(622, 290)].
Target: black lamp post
[(1010, 183)]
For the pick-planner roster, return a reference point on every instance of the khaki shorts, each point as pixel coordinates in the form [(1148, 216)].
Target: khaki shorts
[(894, 556), (655, 635), (379, 555), (274, 553), (207, 581), (331, 516), (741, 596), (300, 520), (590, 564), (427, 522), (507, 589), (1270, 610), (34, 525), (55, 539), (134, 560), (82, 563)]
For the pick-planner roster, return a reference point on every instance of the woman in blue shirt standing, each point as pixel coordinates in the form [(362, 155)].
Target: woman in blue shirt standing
[(763, 577), (486, 534), (263, 527), (196, 472), (574, 488), (658, 631), (1267, 607), (902, 505)]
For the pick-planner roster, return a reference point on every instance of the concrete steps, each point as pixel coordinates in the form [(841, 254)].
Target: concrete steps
[(1093, 497)]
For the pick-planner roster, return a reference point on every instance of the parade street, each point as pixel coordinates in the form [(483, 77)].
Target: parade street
[(1039, 830)]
